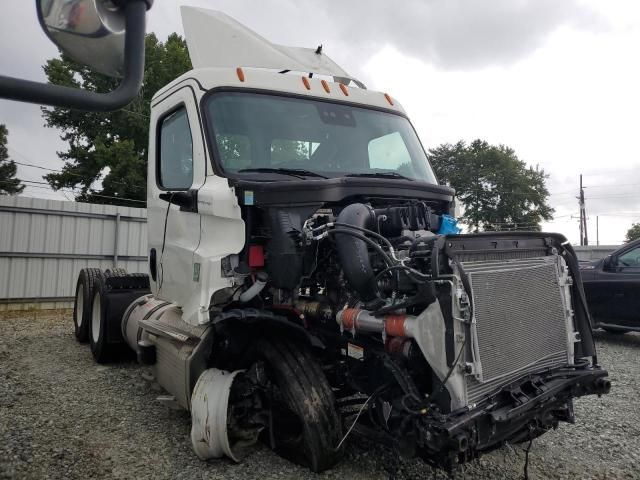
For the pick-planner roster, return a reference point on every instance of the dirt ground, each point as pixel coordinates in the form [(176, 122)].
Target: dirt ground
[(63, 416)]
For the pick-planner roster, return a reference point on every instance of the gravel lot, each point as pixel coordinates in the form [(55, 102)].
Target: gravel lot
[(62, 416)]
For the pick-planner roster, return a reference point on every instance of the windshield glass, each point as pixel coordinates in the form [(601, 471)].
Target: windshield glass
[(303, 137)]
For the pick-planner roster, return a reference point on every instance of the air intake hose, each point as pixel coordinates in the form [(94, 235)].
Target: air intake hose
[(353, 253)]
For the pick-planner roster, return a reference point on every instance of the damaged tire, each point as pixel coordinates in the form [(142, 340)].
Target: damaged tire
[(305, 427), (85, 288)]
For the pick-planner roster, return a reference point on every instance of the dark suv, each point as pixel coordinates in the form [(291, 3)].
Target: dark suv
[(612, 287)]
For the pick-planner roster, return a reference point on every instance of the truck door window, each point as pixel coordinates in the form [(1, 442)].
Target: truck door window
[(630, 259), (175, 170)]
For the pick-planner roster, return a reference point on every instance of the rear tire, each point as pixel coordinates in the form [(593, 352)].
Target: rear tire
[(102, 350), (85, 288), (306, 427), (116, 272)]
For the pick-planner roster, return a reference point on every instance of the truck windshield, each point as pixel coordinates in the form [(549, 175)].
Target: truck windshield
[(259, 134)]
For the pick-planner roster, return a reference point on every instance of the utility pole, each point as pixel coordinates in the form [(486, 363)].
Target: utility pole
[(597, 230), (584, 238)]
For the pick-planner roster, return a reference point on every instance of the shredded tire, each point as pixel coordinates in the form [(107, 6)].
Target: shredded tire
[(306, 395)]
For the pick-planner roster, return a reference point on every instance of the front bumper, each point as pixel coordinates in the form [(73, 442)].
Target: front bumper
[(520, 411)]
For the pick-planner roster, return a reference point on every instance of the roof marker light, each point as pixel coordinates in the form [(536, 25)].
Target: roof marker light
[(386, 95), (344, 89), (325, 85), (240, 74), (307, 85)]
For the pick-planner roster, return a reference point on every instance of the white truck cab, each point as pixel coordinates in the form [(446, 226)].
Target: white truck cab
[(184, 150)]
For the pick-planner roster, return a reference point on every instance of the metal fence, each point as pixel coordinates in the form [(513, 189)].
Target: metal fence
[(594, 252), (45, 243)]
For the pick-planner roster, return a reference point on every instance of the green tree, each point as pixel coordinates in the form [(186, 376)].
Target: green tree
[(117, 140), (9, 184), (497, 190), (633, 233)]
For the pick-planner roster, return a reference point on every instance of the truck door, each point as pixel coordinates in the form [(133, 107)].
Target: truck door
[(616, 289), (176, 168)]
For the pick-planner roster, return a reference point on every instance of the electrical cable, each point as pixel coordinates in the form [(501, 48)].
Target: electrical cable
[(164, 240), (376, 247), (366, 230), (423, 277), (355, 420), (451, 369)]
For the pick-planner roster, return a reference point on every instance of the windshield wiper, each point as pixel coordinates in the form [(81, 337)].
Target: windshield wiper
[(379, 175), (294, 172)]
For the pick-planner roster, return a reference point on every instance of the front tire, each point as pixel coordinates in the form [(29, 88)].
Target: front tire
[(85, 288), (306, 428)]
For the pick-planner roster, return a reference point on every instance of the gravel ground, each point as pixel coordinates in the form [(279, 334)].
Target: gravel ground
[(62, 416)]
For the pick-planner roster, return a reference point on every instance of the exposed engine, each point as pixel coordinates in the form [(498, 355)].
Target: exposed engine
[(441, 340)]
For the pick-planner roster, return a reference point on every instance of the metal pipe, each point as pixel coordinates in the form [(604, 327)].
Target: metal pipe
[(66, 97), (255, 289), (115, 241), (356, 320)]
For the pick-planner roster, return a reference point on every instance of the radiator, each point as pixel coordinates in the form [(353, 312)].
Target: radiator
[(522, 320)]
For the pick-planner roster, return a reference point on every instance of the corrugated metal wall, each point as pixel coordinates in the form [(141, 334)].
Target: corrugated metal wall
[(45, 243)]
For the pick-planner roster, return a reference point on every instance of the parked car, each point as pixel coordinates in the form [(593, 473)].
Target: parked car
[(612, 287)]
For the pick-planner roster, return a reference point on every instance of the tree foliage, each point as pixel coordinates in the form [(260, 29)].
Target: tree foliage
[(498, 191), (633, 233), (9, 184), (117, 140)]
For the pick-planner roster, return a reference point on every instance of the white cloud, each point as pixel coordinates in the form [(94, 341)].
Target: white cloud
[(557, 81)]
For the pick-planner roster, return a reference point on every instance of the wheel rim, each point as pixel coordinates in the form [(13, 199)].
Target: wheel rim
[(79, 306), (95, 318)]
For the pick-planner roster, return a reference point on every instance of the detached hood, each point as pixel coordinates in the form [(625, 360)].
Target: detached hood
[(215, 39)]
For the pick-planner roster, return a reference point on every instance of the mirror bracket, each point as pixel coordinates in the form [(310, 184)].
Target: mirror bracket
[(186, 200), (66, 97)]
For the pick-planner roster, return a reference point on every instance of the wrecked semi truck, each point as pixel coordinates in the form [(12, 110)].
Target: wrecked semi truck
[(298, 278), (305, 281)]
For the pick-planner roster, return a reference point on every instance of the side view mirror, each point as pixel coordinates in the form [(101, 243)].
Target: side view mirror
[(90, 31), (107, 35), (609, 263)]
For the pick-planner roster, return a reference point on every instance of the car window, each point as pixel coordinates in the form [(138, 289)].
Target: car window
[(630, 258), (176, 152)]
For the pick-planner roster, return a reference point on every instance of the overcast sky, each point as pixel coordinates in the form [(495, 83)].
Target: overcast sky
[(558, 81)]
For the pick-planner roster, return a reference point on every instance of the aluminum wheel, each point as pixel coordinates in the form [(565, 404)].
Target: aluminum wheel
[(85, 289), (96, 315), (79, 308)]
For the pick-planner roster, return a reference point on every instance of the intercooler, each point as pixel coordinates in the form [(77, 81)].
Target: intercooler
[(523, 320)]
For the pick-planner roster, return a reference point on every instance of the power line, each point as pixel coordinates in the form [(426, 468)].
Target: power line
[(40, 185), (71, 173)]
